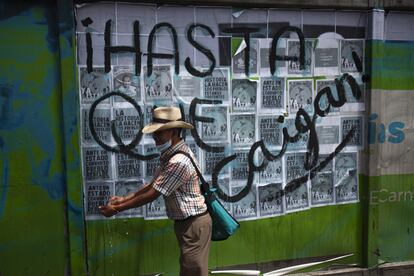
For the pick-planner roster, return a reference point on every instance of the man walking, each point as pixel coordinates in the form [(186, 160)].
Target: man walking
[(178, 182)]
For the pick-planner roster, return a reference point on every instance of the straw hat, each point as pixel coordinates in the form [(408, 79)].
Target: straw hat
[(166, 118)]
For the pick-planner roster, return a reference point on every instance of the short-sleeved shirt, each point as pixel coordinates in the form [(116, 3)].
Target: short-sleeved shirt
[(178, 182)]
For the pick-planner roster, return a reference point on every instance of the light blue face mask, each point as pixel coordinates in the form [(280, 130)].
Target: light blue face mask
[(163, 147)]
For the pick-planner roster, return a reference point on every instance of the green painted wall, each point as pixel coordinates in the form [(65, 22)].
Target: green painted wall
[(138, 246), (34, 238)]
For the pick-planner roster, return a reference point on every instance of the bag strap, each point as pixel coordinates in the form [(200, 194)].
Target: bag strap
[(204, 183)]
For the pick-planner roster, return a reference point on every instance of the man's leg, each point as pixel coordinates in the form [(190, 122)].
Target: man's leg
[(194, 238)]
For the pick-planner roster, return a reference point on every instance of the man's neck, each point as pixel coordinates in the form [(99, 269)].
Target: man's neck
[(175, 140)]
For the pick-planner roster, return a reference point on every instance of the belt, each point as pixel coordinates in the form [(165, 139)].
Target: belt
[(193, 216)]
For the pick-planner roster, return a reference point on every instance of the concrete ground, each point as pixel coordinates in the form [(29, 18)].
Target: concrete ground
[(389, 269)]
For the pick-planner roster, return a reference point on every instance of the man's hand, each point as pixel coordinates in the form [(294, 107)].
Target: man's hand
[(108, 210)]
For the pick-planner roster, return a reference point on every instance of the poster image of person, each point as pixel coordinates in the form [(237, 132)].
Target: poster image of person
[(346, 177), (127, 123), (238, 62), (126, 86), (345, 167), (270, 130), (272, 94), (323, 102), (217, 86), (297, 199), (125, 188), (322, 189), (350, 98), (128, 166), (292, 131), (293, 49), (245, 208), (244, 95), (93, 85), (273, 172), (96, 194), (347, 123), (295, 165), (347, 191), (328, 168), (270, 200), (351, 49), (126, 82), (158, 86), (300, 95), (156, 209), (239, 169), (217, 130), (243, 130), (211, 159), (97, 164)]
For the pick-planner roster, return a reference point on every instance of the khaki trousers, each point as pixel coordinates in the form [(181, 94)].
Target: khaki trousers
[(194, 238)]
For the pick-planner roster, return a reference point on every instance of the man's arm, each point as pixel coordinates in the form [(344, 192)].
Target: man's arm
[(142, 197)]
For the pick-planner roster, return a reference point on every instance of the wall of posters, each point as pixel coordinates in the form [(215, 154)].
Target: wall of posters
[(293, 110)]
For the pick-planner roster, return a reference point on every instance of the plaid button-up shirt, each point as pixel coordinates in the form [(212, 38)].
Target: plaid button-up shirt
[(178, 182)]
